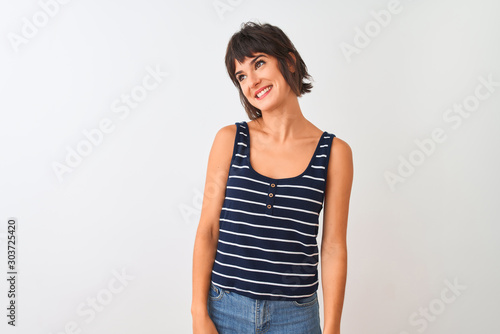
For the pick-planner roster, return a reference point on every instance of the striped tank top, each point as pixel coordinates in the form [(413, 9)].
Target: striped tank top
[(267, 246)]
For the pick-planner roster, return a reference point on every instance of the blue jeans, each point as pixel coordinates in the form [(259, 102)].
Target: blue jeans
[(233, 313)]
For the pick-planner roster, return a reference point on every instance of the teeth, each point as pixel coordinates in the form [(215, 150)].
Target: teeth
[(264, 91)]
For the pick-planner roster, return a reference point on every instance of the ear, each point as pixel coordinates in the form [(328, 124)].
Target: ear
[(291, 67)]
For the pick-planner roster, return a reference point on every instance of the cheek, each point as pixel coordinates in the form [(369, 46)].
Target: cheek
[(245, 91)]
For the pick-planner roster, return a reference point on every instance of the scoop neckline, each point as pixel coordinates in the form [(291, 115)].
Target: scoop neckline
[(285, 178)]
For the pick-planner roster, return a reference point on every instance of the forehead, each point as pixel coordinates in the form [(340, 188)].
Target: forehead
[(248, 60)]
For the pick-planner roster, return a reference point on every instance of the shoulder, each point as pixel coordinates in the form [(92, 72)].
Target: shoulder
[(223, 143), (340, 170), (226, 132), (340, 147), (340, 157)]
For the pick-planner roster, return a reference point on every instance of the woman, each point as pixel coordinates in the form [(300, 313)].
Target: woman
[(255, 262)]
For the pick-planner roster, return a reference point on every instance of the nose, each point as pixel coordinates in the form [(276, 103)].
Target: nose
[(253, 80)]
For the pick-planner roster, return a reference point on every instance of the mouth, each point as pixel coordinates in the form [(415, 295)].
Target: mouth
[(261, 93)]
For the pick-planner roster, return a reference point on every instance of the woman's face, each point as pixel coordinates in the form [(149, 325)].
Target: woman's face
[(261, 81)]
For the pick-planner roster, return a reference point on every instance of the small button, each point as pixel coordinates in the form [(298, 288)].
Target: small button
[(269, 206), (271, 195), (273, 185)]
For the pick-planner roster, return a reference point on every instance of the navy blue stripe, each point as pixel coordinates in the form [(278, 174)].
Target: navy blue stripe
[(267, 246)]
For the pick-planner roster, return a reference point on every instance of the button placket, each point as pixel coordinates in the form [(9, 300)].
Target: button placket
[(271, 194)]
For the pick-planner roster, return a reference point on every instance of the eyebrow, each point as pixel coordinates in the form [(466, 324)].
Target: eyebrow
[(251, 63)]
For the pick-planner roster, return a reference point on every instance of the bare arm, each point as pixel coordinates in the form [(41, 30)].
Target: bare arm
[(207, 233), (334, 244)]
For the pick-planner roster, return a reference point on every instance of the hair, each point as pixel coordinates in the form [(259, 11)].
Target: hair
[(271, 40)]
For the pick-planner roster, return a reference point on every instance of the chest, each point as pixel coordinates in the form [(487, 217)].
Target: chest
[(281, 161)]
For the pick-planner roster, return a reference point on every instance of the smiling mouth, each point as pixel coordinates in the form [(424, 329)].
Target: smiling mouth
[(263, 92)]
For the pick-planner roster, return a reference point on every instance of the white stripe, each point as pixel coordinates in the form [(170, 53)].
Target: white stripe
[(244, 200), (250, 190), (299, 198), (326, 137), (242, 211), (291, 219), (261, 271), (248, 178), (319, 167), (270, 227), (240, 155), (242, 126), (265, 249), (264, 238), (262, 282), (244, 134), (270, 216), (303, 187), (240, 143), (261, 293), (326, 145), (319, 156), (314, 178), (265, 260), (237, 166), (295, 209)]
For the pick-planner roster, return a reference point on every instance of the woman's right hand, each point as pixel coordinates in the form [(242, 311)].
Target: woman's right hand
[(204, 325), (207, 233)]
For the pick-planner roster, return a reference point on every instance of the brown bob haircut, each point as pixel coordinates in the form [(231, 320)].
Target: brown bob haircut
[(271, 40)]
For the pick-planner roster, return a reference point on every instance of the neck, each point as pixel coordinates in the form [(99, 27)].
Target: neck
[(283, 122)]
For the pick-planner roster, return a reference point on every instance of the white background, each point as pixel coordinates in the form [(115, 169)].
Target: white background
[(132, 204)]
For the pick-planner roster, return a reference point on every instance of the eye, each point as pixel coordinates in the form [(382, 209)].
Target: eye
[(261, 62), (258, 64)]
